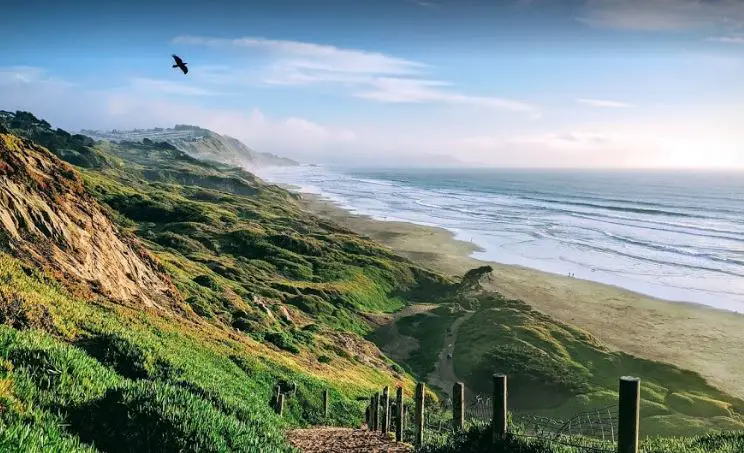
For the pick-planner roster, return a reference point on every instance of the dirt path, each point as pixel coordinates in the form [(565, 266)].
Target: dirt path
[(343, 440), (444, 375)]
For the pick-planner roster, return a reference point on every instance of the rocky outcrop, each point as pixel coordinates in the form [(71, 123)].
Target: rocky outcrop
[(48, 218)]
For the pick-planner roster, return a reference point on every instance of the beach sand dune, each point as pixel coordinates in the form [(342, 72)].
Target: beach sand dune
[(691, 336)]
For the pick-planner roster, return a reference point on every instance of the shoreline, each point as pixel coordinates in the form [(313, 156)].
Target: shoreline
[(690, 335)]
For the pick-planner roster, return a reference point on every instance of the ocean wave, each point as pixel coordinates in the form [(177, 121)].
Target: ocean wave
[(648, 259), (678, 249), (692, 230), (667, 234), (662, 212)]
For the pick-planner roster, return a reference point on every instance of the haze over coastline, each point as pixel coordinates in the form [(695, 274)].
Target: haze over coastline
[(671, 235)]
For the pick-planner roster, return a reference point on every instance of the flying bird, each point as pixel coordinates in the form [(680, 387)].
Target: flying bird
[(180, 64)]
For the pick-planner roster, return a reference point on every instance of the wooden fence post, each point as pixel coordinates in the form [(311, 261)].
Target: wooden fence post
[(370, 419), (325, 403), (280, 405), (376, 413), (385, 425), (628, 414), (399, 415), (419, 416), (458, 406), (499, 407)]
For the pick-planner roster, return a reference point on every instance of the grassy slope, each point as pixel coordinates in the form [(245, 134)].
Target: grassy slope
[(477, 439), (241, 252), (244, 257), (558, 370)]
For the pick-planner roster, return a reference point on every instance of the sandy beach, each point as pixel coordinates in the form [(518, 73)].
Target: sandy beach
[(691, 336)]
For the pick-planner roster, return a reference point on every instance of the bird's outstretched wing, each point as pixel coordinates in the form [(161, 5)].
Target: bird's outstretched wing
[(185, 69), (179, 62)]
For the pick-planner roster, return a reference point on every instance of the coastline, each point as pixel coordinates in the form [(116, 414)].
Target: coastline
[(692, 336)]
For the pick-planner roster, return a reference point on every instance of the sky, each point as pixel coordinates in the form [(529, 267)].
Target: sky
[(526, 83)]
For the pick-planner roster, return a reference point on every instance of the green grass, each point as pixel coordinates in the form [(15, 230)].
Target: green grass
[(557, 370), (428, 328), (176, 388), (477, 439), (276, 296)]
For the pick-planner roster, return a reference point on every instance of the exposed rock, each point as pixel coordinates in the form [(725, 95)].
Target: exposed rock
[(285, 313), (50, 219), (258, 300)]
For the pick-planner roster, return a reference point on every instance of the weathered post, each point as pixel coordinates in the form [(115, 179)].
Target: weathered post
[(419, 415), (370, 419), (628, 414), (499, 407), (458, 406), (385, 425), (280, 405), (399, 416), (325, 403), (376, 413)]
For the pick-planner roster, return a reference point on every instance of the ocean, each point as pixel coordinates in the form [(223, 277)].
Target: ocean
[(672, 235)]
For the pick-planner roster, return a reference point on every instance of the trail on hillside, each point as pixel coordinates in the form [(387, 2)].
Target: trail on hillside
[(444, 375), (396, 345), (344, 440)]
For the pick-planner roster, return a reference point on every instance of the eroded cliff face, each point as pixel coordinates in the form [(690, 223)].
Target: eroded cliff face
[(48, 218)]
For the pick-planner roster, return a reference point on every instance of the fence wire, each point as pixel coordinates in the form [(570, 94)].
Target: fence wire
[(589, 431)]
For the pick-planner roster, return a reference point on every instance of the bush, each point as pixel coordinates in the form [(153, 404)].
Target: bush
[(282, 341), (151, 416)]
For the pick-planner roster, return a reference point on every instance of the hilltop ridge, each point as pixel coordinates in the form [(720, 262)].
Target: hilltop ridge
[(198, 142), (141, 287)]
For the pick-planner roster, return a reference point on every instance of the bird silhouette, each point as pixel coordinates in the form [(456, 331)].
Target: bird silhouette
[(180, 64)]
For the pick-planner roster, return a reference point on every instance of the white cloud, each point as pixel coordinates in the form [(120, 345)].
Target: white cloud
[(728, 39), (602, 103), (316, 56), (366, 75), (399, 90), (27, 75), (573, 149), (662, 15), (287, 136), (425, 4), (166, 86), (32, 90)]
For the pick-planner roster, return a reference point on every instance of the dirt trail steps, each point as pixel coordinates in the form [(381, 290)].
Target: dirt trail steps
[(344, 440)]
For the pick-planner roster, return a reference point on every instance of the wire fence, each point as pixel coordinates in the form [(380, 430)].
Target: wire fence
[(591, 431)]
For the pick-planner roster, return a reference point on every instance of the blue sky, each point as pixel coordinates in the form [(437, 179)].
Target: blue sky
[(597, 83)]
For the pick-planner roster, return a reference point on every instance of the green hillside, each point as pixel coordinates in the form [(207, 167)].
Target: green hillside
[(270, 294), (151, 301), (557, 370)]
